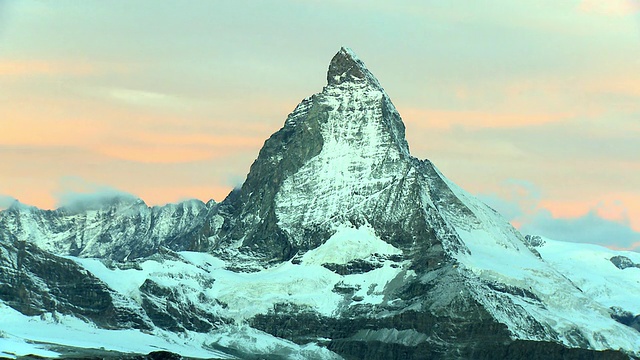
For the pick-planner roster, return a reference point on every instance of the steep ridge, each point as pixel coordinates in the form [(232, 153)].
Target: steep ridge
[(339, 244), (35, 282), (123, 228)]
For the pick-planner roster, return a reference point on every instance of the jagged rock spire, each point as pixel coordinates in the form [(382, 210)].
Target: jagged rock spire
[(346, 66), (340, 158)]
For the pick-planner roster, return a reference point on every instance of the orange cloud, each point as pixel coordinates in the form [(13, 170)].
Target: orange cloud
[(627, 210), (119, 133), (615, 82), (13, 68), (199, 139), (167, 148), (30, 190), (446, 119), (634, 247), (155, 153), (516, 224), (566, 209), (609, 7), (33, 131)]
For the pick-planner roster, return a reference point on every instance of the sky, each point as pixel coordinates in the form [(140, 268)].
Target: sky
[(531, 105)]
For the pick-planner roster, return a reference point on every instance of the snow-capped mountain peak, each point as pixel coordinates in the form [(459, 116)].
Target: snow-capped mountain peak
[(338, 239)]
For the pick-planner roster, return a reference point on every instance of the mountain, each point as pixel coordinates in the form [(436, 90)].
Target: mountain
[(339, 244), (118, 229)]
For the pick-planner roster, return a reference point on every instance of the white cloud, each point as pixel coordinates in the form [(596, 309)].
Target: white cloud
[(6, 201), (143, 98), (78, 194)]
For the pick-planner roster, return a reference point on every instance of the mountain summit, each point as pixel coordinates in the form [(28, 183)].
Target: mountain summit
[(339, 153), (346, 66), (339, 245)]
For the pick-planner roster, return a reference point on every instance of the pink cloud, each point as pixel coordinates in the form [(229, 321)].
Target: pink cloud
[(20, 68), (606, 223), (609, 7), (633, 247), (167, 148), (625, 211), (13, 68)]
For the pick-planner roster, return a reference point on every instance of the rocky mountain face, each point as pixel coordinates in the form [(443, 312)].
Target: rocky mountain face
[(122, 229), (339, 244), (341, 158), (35, 282)]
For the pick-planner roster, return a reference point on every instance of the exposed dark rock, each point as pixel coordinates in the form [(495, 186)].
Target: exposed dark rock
[(539, 350), (625, 317), (169, 308), (534, 241), (454, 336), (344, 67), (359, 266), (525, 293), (34, 282), (623, 262), (459, 325), (512, 350), (100, 354), (250, 211)]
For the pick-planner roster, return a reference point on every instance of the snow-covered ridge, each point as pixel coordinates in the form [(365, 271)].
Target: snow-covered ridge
[(117, 229), (528, 293)]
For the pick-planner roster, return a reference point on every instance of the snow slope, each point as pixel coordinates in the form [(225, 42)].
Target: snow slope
[(203, 281), (543, 298), (245, 294), (589, 267), (349, 244), (23, 335)]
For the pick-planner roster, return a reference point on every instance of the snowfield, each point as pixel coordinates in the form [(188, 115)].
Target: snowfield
[(244, 295), (589, 267), (576, 284), (23, 335)]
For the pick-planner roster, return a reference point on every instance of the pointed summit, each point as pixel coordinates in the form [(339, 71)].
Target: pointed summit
[(338, 152), (346, 66)]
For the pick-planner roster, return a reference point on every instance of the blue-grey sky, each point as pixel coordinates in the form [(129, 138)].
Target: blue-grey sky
[(172, 100)]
